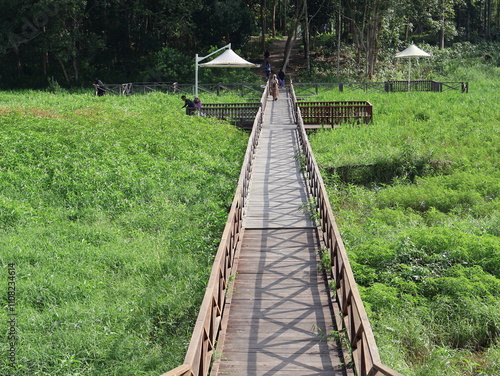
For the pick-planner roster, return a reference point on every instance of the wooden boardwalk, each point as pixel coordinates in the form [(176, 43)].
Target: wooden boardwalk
[(279, 310)]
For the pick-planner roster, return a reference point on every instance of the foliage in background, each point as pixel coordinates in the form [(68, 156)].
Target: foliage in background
[(111, 209), (439, 67), (118, 41), (417, 198)]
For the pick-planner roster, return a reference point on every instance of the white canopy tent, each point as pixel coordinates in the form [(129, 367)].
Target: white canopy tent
[(228, 59), (412, 51)]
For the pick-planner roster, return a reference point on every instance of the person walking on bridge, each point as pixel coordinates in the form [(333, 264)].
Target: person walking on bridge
[(274, 88), (281, 78)]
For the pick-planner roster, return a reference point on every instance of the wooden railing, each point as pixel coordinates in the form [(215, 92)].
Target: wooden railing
[(462, 86), (241, 114), (335, 112), (247, 90), (254, 90), (304, 90), (434, 86), (396, 86), (354, 318), (210, 317)]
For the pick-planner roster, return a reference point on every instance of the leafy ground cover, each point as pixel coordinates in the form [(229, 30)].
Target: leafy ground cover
[(111, 210), (417, 198)]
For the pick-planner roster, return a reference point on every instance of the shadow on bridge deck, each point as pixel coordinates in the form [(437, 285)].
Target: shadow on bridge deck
[(280, 314)]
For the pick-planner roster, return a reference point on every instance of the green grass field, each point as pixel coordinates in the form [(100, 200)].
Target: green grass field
[(416, 195), (111, 210)]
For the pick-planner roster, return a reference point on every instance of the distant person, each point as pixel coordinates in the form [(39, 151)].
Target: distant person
[(273, 88), (281, 78), (197, 106), (268, 71), (188, 105), (266, 56), (99, 87)]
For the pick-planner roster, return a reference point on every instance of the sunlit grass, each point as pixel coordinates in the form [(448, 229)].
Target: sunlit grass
[(111, 210), (416, 195)]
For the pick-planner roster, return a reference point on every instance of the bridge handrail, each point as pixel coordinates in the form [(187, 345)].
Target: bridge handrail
[(335, 112), (313, 88), (238, 113), (252, 90), (208, 324), (241, 89), (355, 320)]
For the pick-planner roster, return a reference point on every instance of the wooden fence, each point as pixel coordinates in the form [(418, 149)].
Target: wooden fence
[(254, 90), (447, 86), (210, 317), (304, 90), (354, 318), (331, 113), (240, 114), (246, 90), (433, 86)]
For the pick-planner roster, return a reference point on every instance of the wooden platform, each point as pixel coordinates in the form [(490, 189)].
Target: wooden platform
[(280, 316)]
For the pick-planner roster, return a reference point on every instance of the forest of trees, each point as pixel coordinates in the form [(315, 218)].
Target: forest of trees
[(72, 41)]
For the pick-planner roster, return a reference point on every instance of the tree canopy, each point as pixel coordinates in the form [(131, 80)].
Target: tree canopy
[(73, 41)]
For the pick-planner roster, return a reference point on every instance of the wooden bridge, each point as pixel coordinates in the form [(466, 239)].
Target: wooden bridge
[(268, 308)]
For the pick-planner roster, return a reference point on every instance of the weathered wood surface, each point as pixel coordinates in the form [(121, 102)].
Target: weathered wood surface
[(305, 90), (212, 315), (331, 113), (277, 188), (280, 315), (241, 114), (354, 317)]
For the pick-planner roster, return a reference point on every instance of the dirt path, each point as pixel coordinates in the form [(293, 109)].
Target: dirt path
[(277, 51)]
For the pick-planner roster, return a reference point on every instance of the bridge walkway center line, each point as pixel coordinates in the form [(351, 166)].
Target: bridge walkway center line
[(280, 316)]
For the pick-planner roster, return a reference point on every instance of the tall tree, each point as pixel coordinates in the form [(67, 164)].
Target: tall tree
[(365, 25), (299, 10), (317, 15), (230, 22)]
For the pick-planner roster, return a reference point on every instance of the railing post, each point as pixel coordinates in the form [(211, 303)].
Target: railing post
[(366, 357)]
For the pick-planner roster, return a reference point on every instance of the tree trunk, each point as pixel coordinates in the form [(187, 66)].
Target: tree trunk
[(339, 33), (273, 19), (263, 6), (441, 39), (290, 40), (441, 36), (292, 32), (306, 37), (488, 19), (75, 69), (373, 38), (63, 69)]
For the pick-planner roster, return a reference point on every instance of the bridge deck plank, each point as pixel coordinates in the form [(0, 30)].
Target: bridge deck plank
[(280, 313)]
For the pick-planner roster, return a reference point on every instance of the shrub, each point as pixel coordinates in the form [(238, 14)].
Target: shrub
[(415, 195), (111, 209)]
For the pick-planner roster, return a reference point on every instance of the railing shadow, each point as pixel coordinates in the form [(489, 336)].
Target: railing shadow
[(354, 318), (210, 317)]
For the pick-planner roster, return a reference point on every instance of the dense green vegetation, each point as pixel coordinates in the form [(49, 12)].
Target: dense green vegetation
[(120, 41), (416, 195), (111, 210)]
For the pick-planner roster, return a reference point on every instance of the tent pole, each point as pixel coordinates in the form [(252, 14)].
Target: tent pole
[(409, 73), (196, 76)]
